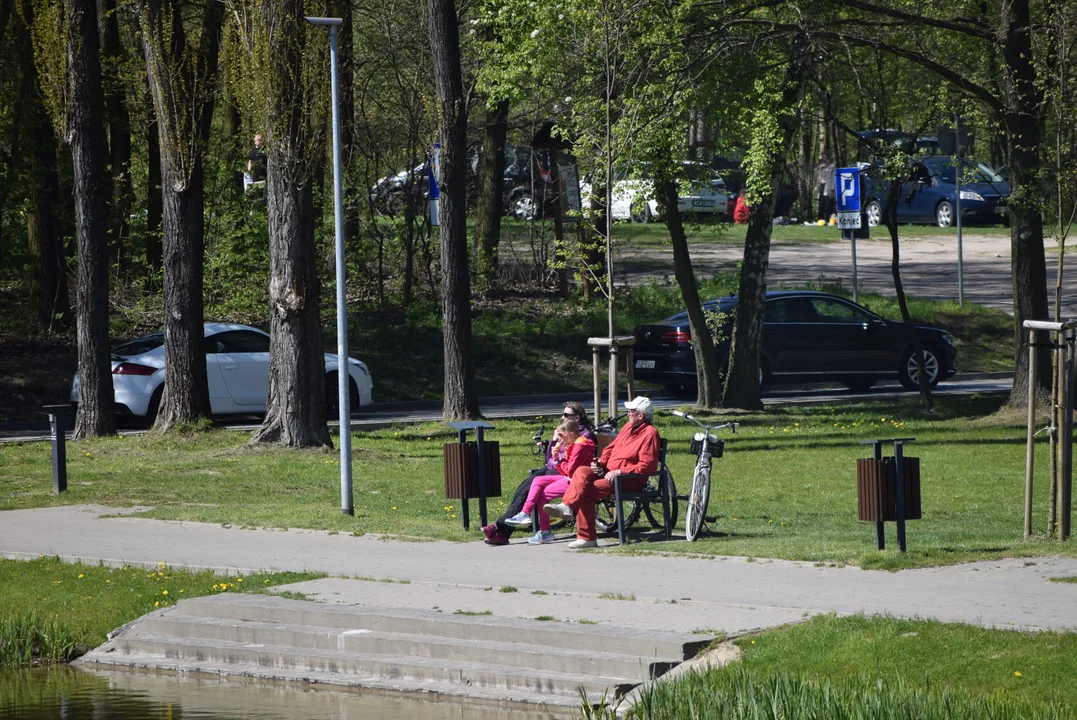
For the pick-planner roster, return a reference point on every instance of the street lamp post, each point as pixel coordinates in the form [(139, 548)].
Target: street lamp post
[(343, 376)]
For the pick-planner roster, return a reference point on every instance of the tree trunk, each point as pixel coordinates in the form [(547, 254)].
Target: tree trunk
[(154, 200), (892, 198), (742, 381), (295, 413), (491, 190), (707, 376), (1023, 102), (460, 402), (296, 404), (119, 129), (177, 73), (86, 135)]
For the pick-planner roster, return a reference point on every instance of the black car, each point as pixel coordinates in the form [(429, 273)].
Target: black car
[(807, 337)]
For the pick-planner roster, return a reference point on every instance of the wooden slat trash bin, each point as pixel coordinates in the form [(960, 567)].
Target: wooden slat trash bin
[(876, 485), (465, 476), (888, 489)]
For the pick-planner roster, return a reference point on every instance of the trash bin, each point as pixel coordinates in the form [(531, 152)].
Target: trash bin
[(876, 484), (462, 470)]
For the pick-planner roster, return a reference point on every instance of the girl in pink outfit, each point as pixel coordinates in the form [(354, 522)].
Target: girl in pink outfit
[(574, 451)]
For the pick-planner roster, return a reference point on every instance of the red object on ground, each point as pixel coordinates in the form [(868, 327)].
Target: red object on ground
[(740, 211)]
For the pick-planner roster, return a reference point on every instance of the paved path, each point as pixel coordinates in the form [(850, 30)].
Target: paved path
[(928, 267), (729, 595)]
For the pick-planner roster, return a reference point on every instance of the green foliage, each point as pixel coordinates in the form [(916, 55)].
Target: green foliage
[(49, 33), (53, 611)]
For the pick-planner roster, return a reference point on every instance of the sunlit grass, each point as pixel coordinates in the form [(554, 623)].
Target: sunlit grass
[(786, 487)]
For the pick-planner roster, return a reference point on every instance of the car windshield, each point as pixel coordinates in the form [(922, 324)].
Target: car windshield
[(971, 172), (142, 345)]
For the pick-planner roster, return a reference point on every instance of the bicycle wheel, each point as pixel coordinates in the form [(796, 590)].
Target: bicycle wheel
[(654, 510), (696, 513), (606, 515)]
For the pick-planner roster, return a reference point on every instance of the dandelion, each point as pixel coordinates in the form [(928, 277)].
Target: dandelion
[(157, 603), (81, 576), (108, 582), (239, 580), (453, 516), (753, 642), (394, 507), (164, 592), (1017, 673)]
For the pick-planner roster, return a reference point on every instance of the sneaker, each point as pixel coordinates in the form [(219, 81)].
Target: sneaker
[(542, 537), (559, 510), (580, 543), (494, 536), (520, 519)]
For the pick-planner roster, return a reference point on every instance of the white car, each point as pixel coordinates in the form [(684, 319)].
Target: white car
[(634, 199), (237, 363)]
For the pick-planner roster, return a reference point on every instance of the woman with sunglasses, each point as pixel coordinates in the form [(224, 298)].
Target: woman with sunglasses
[(499, 532)]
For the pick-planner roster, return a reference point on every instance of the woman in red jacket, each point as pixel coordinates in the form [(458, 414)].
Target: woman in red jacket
[(579, 451)]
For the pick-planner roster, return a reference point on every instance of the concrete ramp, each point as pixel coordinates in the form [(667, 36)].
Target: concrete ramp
[(498, 659)]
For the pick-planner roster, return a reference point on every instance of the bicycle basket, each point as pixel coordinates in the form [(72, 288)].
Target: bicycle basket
[(716, 446)]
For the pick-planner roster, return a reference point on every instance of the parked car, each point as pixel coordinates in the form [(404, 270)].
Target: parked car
[(701, 194), (930, 194), (237, 363), (807, 337)]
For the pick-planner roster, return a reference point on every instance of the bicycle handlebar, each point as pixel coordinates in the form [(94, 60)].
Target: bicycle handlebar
[(732, 426)]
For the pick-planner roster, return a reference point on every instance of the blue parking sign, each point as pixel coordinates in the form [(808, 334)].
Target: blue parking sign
[(848, 189)]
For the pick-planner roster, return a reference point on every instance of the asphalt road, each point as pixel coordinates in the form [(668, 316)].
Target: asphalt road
[(386, 414)]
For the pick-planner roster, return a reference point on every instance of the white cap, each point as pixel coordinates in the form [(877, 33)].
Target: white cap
[(640, 404)]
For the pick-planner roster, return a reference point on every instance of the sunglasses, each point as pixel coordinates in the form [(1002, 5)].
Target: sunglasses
[(568, 414)]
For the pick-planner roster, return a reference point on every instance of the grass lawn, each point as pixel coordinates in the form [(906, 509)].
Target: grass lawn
[(785, 488), (858, 667), (53, 611)]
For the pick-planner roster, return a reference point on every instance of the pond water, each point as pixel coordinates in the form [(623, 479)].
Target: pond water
[(72, 693)]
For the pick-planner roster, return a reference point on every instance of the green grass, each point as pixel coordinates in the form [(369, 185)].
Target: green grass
[(786, 487), (859, 667), (52, 611)]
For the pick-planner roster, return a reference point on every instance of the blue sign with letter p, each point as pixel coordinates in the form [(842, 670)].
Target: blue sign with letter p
[(847, 187)]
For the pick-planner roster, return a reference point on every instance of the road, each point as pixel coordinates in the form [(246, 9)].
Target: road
[(928, 267), (495, 408)]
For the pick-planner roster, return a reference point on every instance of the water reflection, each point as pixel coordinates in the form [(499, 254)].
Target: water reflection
[(66, 693)]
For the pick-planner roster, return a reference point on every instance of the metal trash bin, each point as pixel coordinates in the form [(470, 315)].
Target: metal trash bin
[(888, 489)]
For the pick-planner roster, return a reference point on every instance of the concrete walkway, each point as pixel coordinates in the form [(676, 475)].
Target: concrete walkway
[(730, 595)]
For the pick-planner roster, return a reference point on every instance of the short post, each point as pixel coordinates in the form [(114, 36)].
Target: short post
[(614, 344), (899, 487), (880, 526), (58, 415), (1030, 447), (598, 379)]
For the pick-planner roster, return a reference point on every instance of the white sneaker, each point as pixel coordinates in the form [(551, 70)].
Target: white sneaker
[(579, 544), (521, 519), (542, 537), (559, 510)]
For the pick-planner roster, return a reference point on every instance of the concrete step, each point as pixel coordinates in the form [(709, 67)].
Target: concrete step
[(498, 659), (354, 667), (624, 641), (522, 653)]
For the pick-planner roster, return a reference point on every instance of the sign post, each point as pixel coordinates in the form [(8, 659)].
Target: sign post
[(850, 216)]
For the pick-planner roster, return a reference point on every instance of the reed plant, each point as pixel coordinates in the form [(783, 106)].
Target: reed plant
[(736, 693), (29, 639)]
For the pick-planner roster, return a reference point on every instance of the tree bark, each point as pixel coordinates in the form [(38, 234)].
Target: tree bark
[(178, 75), (460, 402), (86, 135), (491, 190), (707, 376), (154, 201), (1023, 100), (296, 405), (742, 384), (296, 413)]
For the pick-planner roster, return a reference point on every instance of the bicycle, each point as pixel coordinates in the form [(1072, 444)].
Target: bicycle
[(704, 446)]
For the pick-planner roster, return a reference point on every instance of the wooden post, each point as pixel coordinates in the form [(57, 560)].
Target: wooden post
[(630, 370), (613, 377), (598, 391)]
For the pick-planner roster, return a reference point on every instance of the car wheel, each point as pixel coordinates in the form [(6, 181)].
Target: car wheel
[(944, 214), (640, 211), (523, 207), (332, 395), (874, 212), (910, 376), (154, 406), (860, 384)]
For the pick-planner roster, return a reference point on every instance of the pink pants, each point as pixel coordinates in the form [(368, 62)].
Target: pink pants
[(543, 489)]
